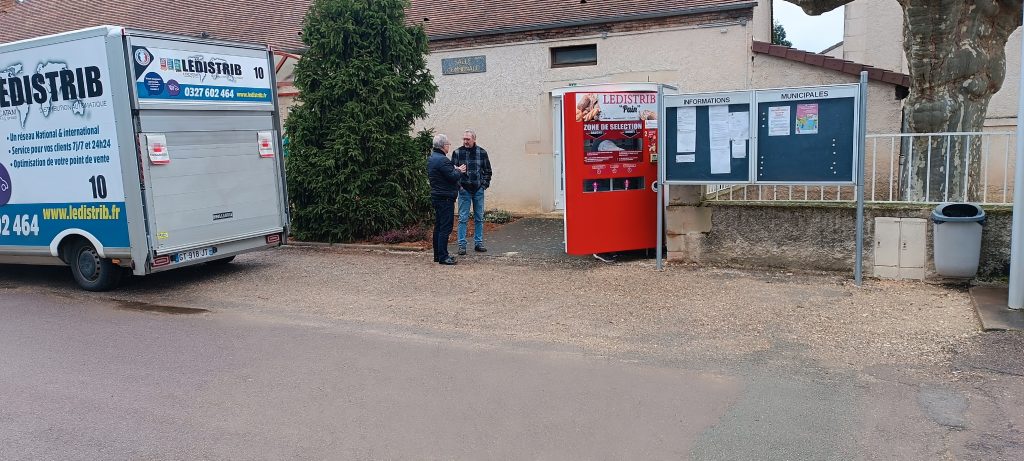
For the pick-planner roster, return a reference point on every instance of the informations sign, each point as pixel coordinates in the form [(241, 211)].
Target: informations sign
[(59, 164), (169, 75)]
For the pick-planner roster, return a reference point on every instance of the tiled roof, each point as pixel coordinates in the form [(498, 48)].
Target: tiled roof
[(272, 22), (828, 62), (278, 22), (462, 18)]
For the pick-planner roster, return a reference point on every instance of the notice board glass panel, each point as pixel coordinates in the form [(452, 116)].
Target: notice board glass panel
[(806, 141), (696, 166)]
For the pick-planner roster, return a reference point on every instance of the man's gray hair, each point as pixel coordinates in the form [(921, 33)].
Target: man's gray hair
[(472, 133), (440, 140)]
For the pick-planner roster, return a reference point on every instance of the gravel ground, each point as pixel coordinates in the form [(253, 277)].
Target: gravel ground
[(625, 309)]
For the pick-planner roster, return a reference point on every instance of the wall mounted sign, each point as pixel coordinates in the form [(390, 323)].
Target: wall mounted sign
[(464, 65)]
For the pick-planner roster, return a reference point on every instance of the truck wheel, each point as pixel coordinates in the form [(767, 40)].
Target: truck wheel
[(92, 272), (221, 262)]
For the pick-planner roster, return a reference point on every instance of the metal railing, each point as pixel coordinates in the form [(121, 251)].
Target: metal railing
[(891, 174)]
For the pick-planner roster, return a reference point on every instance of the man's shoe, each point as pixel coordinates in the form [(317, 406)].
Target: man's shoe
[(448, 262), (462, 251), (481, 249)]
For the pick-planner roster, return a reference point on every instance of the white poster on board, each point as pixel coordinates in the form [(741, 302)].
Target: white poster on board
[(778, 121), (739, 149), (718, 131), (739, 126), (686, 129)]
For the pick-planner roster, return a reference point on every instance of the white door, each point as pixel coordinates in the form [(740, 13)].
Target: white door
[(559, 162)]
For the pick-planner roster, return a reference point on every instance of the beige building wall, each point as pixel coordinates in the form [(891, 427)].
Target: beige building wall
[(836, 52), (1002, 111), (510, 106), (873, 34), (763, 21)]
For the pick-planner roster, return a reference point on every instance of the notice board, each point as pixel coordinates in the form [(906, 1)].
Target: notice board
[(780, 136), (807, 135), (708, 138)]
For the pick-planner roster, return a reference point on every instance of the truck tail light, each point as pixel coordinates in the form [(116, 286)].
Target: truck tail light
[(161, 261), (273, 239)]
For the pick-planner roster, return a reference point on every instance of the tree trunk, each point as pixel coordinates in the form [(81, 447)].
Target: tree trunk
[(956, 51)]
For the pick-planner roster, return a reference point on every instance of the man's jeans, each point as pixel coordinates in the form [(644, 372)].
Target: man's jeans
[(477, 199)]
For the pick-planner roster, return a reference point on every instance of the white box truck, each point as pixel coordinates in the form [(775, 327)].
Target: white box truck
[(131, 151)]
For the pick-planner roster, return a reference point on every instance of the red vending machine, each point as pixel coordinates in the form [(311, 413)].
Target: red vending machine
[(610, 135)]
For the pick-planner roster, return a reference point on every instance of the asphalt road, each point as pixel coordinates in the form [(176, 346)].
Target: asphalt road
[(107, 381)]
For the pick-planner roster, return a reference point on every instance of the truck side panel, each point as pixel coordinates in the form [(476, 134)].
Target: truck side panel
[(60, 161)]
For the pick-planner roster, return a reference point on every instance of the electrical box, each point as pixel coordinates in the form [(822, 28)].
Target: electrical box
[(900, 248)]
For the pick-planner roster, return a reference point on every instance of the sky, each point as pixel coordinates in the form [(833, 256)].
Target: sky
[(809, 33)]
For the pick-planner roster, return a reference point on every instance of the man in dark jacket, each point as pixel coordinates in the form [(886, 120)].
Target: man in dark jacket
[(476, 180), (444, 187)]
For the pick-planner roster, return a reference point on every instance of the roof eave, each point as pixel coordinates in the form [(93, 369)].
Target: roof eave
[(590, 22)]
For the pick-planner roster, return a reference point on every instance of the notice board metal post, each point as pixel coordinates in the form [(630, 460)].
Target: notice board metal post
[(858, 270), (1015, 295)]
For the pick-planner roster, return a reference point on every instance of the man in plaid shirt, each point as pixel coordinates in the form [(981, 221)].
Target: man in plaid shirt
[(471, 192)]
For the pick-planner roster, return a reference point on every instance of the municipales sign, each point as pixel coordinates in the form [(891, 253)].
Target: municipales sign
[(464, 65)]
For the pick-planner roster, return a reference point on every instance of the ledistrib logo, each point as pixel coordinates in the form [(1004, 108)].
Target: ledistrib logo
[(142, 57), (5, 185)]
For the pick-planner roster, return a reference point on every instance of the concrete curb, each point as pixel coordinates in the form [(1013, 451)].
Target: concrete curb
[(552, 215), (356, 246)]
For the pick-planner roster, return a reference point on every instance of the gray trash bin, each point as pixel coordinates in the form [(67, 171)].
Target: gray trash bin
[(957, 239)]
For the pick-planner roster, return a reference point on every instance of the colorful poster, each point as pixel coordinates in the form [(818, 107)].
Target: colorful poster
[(778, 121), (608, 107), (606, 142), (807, 119), (177, 76), (60, 166)]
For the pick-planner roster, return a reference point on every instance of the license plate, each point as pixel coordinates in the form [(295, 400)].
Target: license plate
[(192, 255)]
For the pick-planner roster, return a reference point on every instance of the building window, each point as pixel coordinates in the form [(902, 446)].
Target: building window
[(571, 56)]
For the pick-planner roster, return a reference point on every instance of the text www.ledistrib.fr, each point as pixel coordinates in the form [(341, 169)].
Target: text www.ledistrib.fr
[(87, 212)]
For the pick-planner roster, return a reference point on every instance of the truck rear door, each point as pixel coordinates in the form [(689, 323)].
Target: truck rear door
[(208, 138)]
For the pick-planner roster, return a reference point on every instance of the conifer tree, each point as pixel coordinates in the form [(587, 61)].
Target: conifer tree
[(355, 169)]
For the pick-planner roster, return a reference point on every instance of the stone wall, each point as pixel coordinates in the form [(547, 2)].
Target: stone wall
[(809, 236)]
